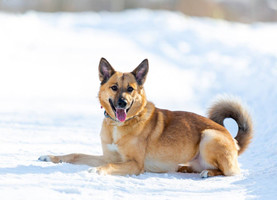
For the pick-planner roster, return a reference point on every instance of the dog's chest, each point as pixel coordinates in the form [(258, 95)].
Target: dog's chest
[(116, 135), (112, 147)]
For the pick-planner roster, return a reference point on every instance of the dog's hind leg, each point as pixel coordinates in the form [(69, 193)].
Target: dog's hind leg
[(80, 159), (217, 154), (186, 169)]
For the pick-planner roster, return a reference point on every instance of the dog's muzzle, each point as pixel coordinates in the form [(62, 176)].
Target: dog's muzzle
[(120, 109)]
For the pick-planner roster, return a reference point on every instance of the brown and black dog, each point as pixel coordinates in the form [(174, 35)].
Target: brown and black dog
[(137, 137)]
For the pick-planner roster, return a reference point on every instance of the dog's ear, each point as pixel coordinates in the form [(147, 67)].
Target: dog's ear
[(105, 70), (141, 72)]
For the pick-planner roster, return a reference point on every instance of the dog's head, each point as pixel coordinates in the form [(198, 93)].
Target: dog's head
[(122, 94)]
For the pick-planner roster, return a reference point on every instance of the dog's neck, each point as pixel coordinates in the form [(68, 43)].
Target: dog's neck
[(108, 116)]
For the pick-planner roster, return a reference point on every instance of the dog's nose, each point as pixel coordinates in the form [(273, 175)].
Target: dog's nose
[(122, 102)]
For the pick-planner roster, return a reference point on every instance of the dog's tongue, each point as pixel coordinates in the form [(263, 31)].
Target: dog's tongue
[(121, 114)]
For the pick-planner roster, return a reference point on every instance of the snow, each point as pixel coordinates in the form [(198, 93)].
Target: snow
[(48, 98)]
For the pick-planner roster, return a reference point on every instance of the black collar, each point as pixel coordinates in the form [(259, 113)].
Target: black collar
[(108, 116)]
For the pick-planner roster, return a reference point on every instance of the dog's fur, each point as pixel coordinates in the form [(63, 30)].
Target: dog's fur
[(137, 137)]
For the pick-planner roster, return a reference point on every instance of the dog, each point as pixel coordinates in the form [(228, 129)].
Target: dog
[(137, 137)]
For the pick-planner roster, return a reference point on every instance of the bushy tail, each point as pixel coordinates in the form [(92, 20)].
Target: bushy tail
[(231, 108)]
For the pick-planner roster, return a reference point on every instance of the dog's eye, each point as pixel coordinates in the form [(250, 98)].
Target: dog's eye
[(130, 89), (114, 88)]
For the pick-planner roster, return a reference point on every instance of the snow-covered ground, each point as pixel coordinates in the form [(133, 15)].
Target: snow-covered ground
[(48, 98)]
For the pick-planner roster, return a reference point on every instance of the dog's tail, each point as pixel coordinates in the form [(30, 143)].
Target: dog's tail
[(231, 108)]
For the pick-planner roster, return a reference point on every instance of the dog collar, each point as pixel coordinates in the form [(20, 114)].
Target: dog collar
[(108, 116)]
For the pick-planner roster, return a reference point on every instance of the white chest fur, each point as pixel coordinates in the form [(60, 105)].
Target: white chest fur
[(116, 135), (112, 147)]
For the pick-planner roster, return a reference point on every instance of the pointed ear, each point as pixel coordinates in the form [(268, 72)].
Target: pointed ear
[(141, 72), (105, 71)]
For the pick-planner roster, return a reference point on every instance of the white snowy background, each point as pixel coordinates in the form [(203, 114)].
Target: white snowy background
[(48, 98)]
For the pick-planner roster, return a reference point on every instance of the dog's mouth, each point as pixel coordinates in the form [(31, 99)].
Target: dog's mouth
[(120, 113)]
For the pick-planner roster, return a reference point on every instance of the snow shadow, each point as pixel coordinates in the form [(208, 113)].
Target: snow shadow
[(181, 176), (32, 169)]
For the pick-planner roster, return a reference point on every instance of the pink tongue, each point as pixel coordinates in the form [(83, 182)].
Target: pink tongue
[(121, 114)]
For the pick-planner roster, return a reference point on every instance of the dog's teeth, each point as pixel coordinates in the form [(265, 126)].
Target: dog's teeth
[(204, 174), (44, 158)]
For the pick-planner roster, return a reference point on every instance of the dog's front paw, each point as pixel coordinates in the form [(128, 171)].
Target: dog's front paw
[(101, 171), (92, 170), (45, 158), (49, 158)]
